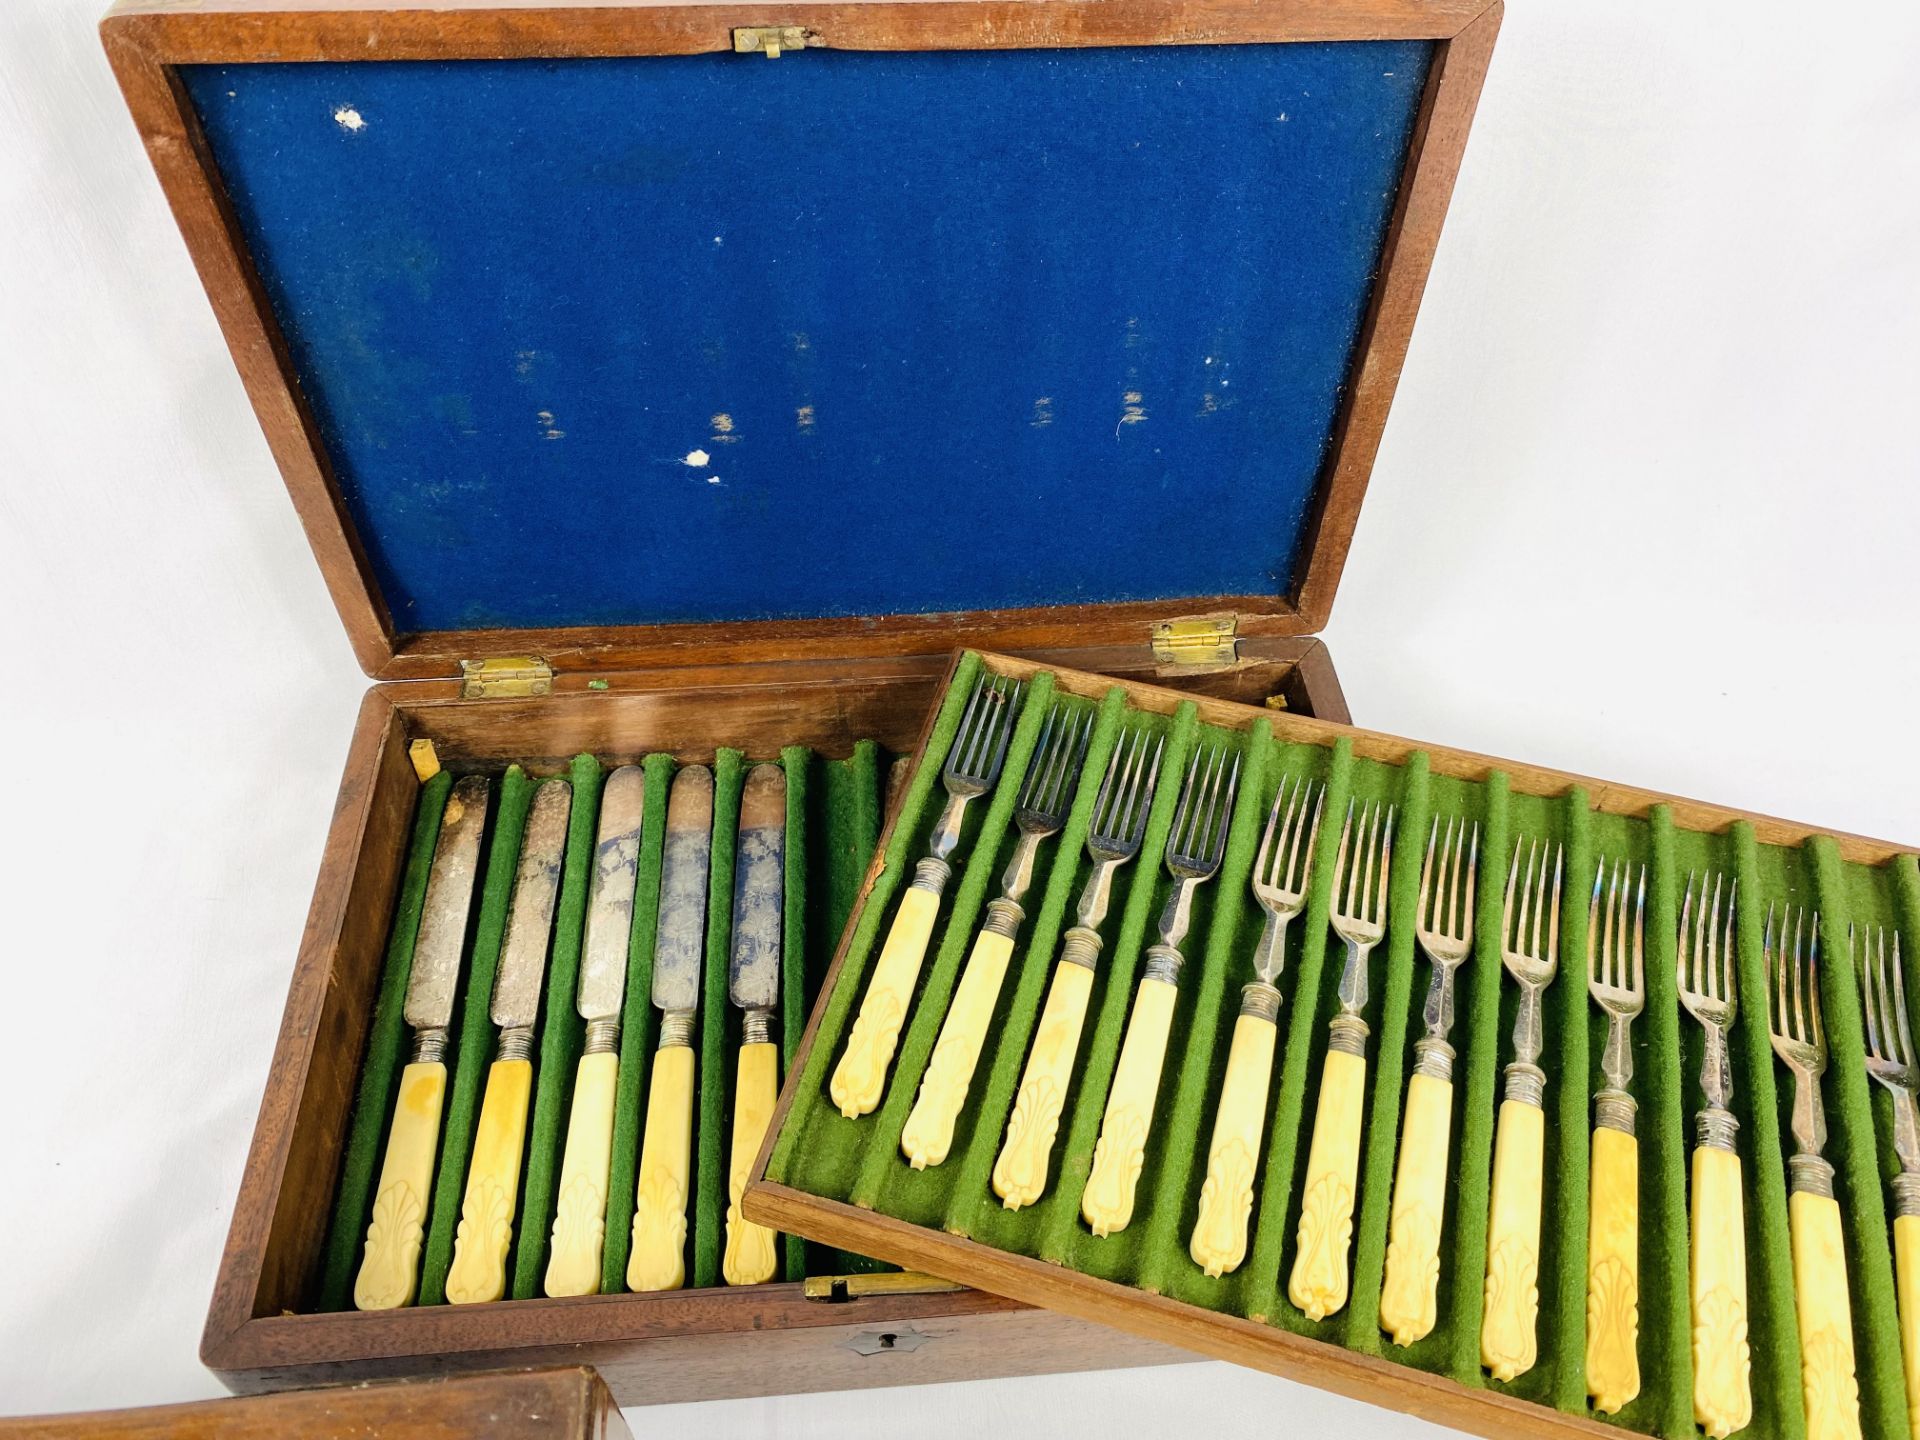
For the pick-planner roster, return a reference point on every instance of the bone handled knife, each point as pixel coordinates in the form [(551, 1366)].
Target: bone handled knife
[(479, 1270), (658, 1258), (390, 1268), (580, 1215), (753, 984)]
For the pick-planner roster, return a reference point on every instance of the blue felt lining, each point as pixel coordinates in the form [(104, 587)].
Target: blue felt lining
[(938, 331)]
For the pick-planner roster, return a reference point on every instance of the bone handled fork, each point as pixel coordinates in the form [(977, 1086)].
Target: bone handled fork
[(973, 765), (1890, 1060), (1052, 777), (1530, 951), (1617, 983), (1717, 1283), (1119, 822), (1813, 1214), (1443, 924), (1282, 871), (1319, 1282), (1194, 847)]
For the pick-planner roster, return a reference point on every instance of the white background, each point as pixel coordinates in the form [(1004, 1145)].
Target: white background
[(1646, 508)]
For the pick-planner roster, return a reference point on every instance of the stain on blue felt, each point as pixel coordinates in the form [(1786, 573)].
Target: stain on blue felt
[(521, 295)]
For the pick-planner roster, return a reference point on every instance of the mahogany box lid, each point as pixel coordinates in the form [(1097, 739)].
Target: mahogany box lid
[(605, 335)]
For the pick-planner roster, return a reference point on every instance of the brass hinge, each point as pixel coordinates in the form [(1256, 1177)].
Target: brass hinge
[(1206, 640), (837, 1288), (505, 677), (769, 40)]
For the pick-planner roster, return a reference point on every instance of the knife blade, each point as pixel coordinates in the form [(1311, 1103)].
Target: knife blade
[(580, 1213), (657, 1260), (753, 974), (479, 1269), (753, 984), (390, 1266), (616, 860), (536, 889), (443, 918), (680, 943)]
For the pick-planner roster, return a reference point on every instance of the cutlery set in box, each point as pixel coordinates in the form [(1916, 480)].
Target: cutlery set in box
[(1316, 1039)]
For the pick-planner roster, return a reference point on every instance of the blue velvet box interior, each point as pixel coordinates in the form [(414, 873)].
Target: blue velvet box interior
[(629, 341)]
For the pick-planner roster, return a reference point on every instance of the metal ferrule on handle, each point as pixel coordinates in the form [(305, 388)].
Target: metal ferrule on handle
[(603, 1036), (1810, 1175), (1526, 1084), (1163, 963), (1433, 1056), (1082, 948), (1614, 1110), (429, 1046)]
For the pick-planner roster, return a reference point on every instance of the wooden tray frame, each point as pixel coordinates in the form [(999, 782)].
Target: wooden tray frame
[(147, 39), (1157, 1317)]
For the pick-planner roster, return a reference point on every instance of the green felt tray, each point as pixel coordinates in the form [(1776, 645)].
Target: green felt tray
[(858, 1162), (833, 824)]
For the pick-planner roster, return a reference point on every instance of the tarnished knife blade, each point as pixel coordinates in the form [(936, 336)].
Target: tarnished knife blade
[(536, 886), (759, 875), (616, 860), (443, 917), (683, 891)]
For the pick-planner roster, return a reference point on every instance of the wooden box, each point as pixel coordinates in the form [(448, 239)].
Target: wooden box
[(572, 1404), (610, 355), (844, 1180)]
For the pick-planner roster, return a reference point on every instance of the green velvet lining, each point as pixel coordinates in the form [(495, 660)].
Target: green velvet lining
[(859, 1161), (380, 1070), (473, 1052)]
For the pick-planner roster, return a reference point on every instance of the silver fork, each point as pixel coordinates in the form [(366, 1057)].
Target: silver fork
[(1443, 924), (972, 767), (1890, 1055), (1890, 1060), (1530, 953), (1194, 847), (1361, 868), (1722, 1362), (1617, 983), (1823, 1308), (1119, 823), (1282, 872), (1053, 775)]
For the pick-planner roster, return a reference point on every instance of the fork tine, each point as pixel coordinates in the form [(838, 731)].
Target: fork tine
[(1776, 974), (1596, 950), (1869, 999), (1473, 871), (1297, 875), (962, 736), (1640, 936), (1684, 956), (1506, 905), (1386, 870), (1901, 1032), (1226, 813), (1553, 914), (1446, 905), (1366, 877), (1142, 800), (1713, 939), (1526, 899), (1813, 988), (1623, 890), (1427, 897)]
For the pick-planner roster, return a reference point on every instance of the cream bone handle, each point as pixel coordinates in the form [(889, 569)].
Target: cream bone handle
[(1020, 1171), (479, 1270), (750, 1257), (1219, 1242), (1820, 1294), (657, 1260), (1613, 1265), (1410, 1291), (928, 1135), (580, 1213), (390, 1268), (1717, 1282), (1107, 1203), (1320, 1281), (1509, 1344), (861, 1076), (1906, 1275)]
